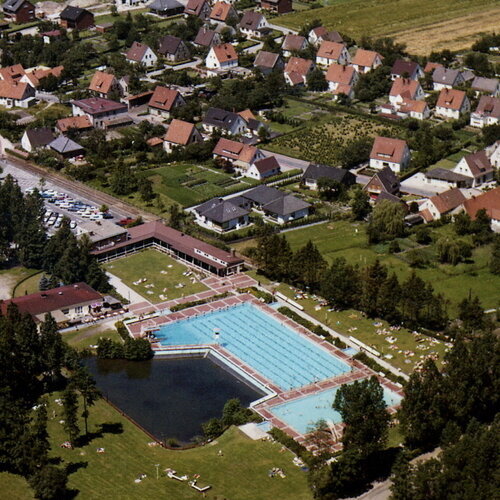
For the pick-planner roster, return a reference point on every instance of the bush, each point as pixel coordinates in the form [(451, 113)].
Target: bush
[(300, 450), (394, 247), (185, 305), (266, 297), (371, 363)]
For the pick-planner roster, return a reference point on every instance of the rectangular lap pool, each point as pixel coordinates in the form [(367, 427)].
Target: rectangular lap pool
[(302, 414), (280, 354)]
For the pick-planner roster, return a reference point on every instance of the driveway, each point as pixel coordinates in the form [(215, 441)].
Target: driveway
[(287, 162)]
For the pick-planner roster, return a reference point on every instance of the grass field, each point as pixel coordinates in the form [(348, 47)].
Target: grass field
[(85, 337), (322, 142), (175, 183), (9, 278), (424, 25), (348, 240), (159, 270), (240, 474)]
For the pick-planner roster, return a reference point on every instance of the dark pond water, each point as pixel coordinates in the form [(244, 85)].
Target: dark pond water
[(170, 398)]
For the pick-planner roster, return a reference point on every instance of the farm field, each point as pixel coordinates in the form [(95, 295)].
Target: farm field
[(189, 184), (424, 25), (241, 473), (161, 273), (322, 142), (348, 240)]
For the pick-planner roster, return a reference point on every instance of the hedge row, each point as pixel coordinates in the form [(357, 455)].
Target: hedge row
[(266, 297), (300, 450), (185, 305), (370, 362)]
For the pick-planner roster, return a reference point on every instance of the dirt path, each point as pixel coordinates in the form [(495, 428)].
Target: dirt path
[(7, 283)]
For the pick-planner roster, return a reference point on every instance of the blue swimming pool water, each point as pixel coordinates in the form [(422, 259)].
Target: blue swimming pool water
[(302, 414), (280, 354)]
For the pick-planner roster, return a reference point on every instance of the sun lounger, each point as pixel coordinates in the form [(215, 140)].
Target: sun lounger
[(172, 474), (199, 488)]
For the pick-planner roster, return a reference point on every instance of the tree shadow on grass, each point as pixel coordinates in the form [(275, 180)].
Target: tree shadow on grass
[(105, 428), (72, 467)]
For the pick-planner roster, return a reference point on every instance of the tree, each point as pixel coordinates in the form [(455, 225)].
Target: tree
[(355, 152), (53, 348), (462, 224), (316, 81), (44, 283), (308, 266), (84, 383), (213, 428), (388, 299), (364, 413), (495, 256), (146, 190), (70, 407), (340, 284), (471, 314), (386, 222), (175, 216), (372, 279), (49, 483), (360, 204), (330, 189)]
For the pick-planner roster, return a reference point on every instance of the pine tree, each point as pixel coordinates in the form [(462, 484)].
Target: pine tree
[(340, 284), (388, 298), (471, 314), (44, 283), (70, 407), (85, 385), (53, 348), (372, 279), (495, 256), (308, 266)]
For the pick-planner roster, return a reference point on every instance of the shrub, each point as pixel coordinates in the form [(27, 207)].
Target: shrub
[(300, 450)]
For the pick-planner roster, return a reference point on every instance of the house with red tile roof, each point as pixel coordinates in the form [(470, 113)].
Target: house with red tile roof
[(296, 71), (448, 202), (99, 111), (69, 303), (80, 123), (487, 112), (16, 94), (180, 133), (222, 56), (342, 78), (477, 166), (140, 53), (263, 168), (164, 100), (221, 12), (198, 8), (366, 60), (293, 43), (405, 89), (452, 103), (12, 73), (240, 155), (103, 84), (332, 52), (34, 76), (410, 108), (431, 66), (320, 34), (489, 201), (388, 152)]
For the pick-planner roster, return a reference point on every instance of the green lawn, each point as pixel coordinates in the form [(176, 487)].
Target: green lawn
[(432, 22), (9, 278), (175, 183), (240, 474), (348, 240), (85, 337), (31, 285), (17, 487), (159, 270)]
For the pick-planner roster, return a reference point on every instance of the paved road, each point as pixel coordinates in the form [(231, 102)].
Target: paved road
[(287, 162), (44, 96)]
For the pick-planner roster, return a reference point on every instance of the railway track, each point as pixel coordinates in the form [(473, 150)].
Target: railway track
[(80, 189)]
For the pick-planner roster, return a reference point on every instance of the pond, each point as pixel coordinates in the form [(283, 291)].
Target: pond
[(170, 398)]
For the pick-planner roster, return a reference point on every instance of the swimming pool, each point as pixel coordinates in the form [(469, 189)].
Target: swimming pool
[(303, 413), (280, 354)]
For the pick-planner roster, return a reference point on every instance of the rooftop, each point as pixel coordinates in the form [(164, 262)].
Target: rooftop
[(388, 149), (98, 105)]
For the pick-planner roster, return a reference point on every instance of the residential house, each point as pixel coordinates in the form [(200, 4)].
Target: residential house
[(342, 79), (166, 8), (104, 84), (198, 8), (489, 201), (207, 38), (18, 11), (67, 303), (140, 53), (124, 82), (35, 138), (493, 153), (254, 24), (99, 111), (180, 133), (431, 66), (221, 215), (332, 52), (12, 73), (366, 60), (222, 57), (476, 166), (452, 103), (173, 49), (314, 173), (406, 69), (488, 86), (240, 155), (445, 78), (267, 62), (253, 125), (293, 44), (487, 112), (468, 75), (222, 12), (404, 89), (226, 121), (410, 108), (16, 94), (263, 168), (296, 71), (76, 18), (445, 179), (66, 148), (448, 202), (164, 100), (321, 34), (388, 152), (384, 181), (276, 6), (34, 76), (50, 36), (80, 123)]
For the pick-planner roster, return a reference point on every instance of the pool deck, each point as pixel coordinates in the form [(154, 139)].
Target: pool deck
[(358, 371)]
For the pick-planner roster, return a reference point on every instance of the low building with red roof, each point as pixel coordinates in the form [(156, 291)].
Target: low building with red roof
[(80, 123), (16, 94), (222, 12), (410, 108), (222, 56), (404, 89), (240, 155), (366, 60), (341, 75), (448, 202), (332, 52), (99, 111), (489, 201), (140, 53), (296, 70), (180, 133), (34, 76), (451, 104), (164, 100), (388, 152)]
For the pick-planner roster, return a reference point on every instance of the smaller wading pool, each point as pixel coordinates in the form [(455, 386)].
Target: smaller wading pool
[(303, 413)]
